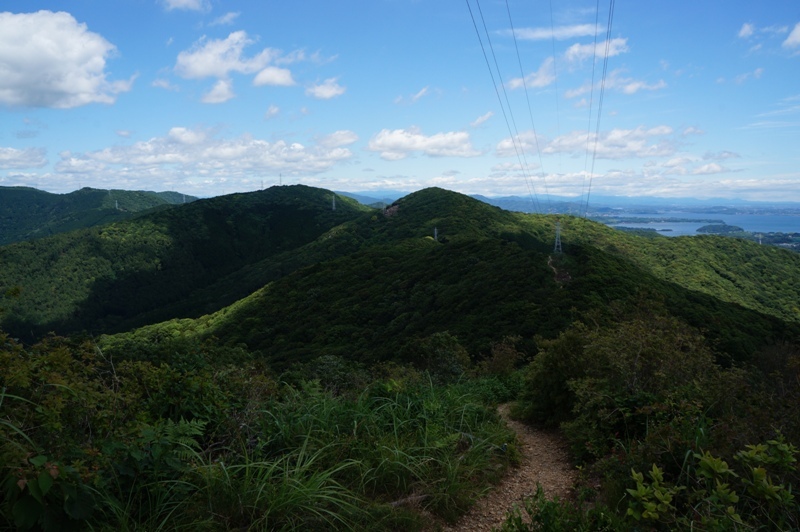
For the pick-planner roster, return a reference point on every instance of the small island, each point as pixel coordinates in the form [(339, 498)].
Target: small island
[(720, 229)]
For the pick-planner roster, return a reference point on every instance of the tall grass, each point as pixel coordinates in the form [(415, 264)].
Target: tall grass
[(299, 459), (291, 492)]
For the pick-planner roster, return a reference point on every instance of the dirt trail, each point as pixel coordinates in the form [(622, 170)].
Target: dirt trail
[(544, 461)]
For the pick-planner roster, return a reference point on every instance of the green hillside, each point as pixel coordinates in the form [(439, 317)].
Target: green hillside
[(28, 213), (159, 265), (304, 368), (387, 283)]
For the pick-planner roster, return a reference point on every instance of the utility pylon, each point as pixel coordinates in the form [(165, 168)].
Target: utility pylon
[(557, 248)]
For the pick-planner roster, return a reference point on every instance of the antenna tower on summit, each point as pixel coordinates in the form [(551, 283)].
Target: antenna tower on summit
[(557, 248)]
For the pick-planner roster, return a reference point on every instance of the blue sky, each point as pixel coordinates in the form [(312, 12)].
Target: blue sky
[(699, 99)]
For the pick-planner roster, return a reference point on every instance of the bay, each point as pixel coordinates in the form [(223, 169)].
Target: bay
[(754, 223)]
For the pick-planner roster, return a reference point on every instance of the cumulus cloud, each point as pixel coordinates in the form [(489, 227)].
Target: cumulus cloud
[(580, 52), (326, 90), (197, 158), (709, 169), (559, 32), (793, 40), (274, 76), (541, 78), (337, 139), (51, 60), (615, 144), (217, 58), (221, 92), (746, 31), (70, 164), (615, 81), (398, 144), (12, 158)]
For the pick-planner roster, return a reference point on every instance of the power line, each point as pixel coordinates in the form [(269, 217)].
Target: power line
[(528, 100), (531, 191), (591, 105), (600, 102)]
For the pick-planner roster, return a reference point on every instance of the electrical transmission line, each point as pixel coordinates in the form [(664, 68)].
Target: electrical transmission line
[(602, 95), (514, 138)]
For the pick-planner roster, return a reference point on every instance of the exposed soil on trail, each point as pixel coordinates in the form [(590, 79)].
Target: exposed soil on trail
[(544, 461)]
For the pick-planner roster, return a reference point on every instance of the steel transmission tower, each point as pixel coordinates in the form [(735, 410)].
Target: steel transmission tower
[(557, 248)]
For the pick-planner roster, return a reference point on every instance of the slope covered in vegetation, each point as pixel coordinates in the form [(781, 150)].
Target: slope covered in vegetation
[(351, 380), (27, 213), (489, 275), (145, 270)]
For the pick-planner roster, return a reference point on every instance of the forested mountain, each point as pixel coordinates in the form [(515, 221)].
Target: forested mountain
[(184, 261), (27, 213), (382, 280), (279, 363)]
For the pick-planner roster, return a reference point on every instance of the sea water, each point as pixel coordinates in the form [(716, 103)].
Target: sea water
[(754, 223)]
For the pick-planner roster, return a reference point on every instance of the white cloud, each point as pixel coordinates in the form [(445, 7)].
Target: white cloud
[(541, 78), (746, 31), (226, 19), (580, 52), (326, 90), (218, 57), (420, 94), (559, 32), (677, 161), (398, 144), (337, 138), (198, 160), (12, 158), (274, 76), (187, 136), (631, 86), (691, 130), (720, 156), (51, 60), (414, 97), (793, 40), (162, 83), (221, 92), (615, 81), (615, 144), (756, 74), (272, 112), (78, 165), (124, 133), (186, 5), (481, 119), (709, 169)]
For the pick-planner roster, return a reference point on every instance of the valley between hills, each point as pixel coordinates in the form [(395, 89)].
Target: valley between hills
[(282, 360)]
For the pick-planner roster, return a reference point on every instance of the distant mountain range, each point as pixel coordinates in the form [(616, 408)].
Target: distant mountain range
[(599, 204), (283, 273), (27, 213)]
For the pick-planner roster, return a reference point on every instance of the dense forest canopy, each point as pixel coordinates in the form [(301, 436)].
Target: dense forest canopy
[(27, 213), (204, 353)]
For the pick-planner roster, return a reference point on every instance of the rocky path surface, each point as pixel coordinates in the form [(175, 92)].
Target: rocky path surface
[(544, 461)]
